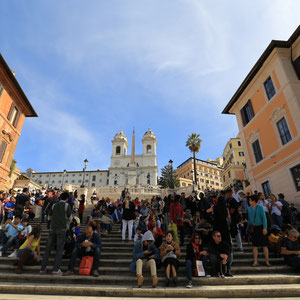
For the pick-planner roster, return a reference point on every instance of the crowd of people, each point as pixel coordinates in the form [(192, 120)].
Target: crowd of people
[(209, 227)]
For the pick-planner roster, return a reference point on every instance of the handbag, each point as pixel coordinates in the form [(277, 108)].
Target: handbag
[(199, 271), (170, 254), (86, 265)]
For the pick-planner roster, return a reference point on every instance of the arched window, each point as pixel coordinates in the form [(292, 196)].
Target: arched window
[(149, 150), (118, 150)]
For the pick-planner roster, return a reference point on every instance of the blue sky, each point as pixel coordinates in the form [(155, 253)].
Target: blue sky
[(91, 68)]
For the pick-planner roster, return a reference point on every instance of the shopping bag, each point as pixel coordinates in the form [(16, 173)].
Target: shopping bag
[(199, 272), (86, 265)]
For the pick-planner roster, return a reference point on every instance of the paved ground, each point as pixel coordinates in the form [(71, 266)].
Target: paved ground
[(47, 297)]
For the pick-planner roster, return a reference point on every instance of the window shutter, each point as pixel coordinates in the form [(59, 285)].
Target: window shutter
[(2, 150), (16, 119), (10, 112)]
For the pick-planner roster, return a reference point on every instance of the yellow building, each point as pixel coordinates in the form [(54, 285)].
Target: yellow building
[(267, 108), (208, 174), (233, 164)]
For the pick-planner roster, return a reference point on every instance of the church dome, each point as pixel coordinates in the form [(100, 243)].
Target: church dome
[(149, 135)]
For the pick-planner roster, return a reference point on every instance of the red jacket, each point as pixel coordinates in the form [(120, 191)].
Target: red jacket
[(175, 211)]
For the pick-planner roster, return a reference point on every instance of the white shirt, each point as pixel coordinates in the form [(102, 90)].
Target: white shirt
[(275, 210), (264, 204)]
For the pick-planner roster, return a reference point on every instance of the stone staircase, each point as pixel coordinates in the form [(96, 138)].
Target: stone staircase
[(116, 280)]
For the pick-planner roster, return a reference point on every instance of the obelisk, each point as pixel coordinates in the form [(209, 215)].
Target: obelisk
[(133, 149)]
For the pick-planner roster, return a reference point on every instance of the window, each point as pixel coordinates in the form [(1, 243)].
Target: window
[(206, 181), (80, 175), (40, 175), (73, 175), (202, 180), (73, 181), (60, 175), (247, 113), (53, 175), (100, 180), (33, 176), (211, 176), (47, 175), (53, 181), (115, 182), (86, 180), (13, 115), (66, 181), (296, 176), (118, 150), (224, 178), (59, 181), (269, 87), (94, 178), (93, 184), (283, 131), (212, 182), (2, 150), (47, 181), (79, 181), (183, 184), (230, 145), (229, 174), (206, 175), (216, 177), (87, 174), (239, 143), (217, 184), (266, 188), (257, 151), (241, 154), (1, 89), (149, 149)]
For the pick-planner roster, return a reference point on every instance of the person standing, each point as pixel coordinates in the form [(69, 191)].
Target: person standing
[(258, 221), (127, 218), (60, 214), (176, 215), (21, 201)]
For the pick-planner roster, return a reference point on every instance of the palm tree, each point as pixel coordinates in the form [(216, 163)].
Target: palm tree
[(194, 144)]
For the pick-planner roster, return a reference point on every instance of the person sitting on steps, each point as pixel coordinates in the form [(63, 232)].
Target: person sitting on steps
[(144, 254)]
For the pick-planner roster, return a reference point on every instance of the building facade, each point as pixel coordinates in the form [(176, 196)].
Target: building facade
[(14, 108), (133, 169), (125, 170), (96, 178), (267, 108), (208, 174), (233, 174)]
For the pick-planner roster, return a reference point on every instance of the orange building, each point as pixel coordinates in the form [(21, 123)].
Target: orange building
[(14, 107), (267, 108)]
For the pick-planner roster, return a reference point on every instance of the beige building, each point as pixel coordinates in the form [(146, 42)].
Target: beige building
[(233, 175), (267, 108), (208, 174)]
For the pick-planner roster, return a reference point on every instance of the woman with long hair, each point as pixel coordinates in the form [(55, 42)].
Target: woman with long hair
[(29, 252), (169, 254)]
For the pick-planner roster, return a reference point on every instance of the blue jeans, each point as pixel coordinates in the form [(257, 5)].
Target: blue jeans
[(6, 242), (189, 266), (31, 255), (95, 252), (277, 220), (58, 235)]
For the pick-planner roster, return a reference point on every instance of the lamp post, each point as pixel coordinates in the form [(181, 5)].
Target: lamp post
[(171, 167), (85, 165), (64, 174)]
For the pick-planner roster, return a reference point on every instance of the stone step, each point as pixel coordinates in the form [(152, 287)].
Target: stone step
[(232, 291), (131, 279)]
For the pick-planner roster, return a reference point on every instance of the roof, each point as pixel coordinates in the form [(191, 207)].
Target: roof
[(68, 172), (14, 81), (210, 164), (274, 44)]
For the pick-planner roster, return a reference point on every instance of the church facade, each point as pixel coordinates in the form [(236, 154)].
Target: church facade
[(133, 169), (124, 170)]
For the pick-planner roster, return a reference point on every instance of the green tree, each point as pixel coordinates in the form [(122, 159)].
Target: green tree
[(168, 178), (12, 167), (194, 144)]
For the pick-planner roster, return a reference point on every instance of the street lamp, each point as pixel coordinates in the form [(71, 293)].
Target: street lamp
[(171, 167), (85, 165), (64, 174)]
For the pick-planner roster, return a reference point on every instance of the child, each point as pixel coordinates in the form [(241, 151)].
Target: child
[(138, 234), (275, 239)]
